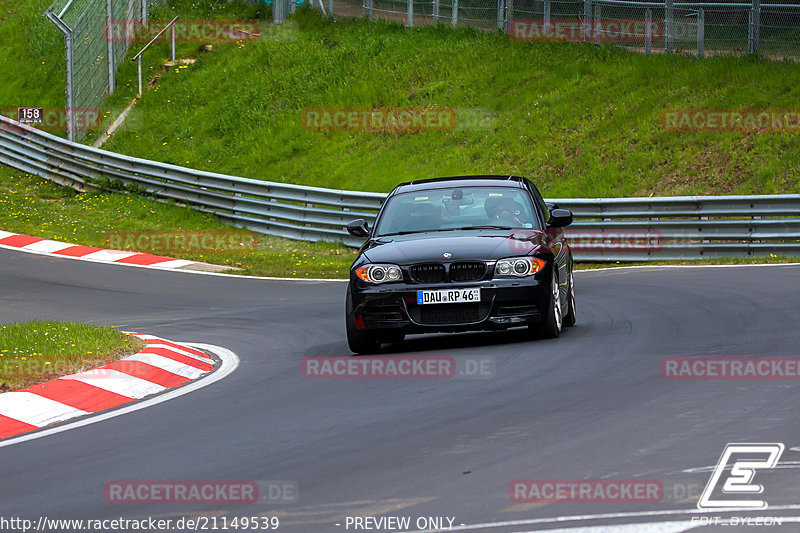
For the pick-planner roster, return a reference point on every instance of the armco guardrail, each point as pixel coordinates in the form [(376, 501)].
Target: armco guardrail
[(605, 229)]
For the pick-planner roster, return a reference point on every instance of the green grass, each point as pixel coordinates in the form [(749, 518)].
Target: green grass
[(38, 351), (34, 206), (580, 120)]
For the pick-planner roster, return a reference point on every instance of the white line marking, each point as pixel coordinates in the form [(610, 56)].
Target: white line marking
[(170, 365), (118, 382), (345, 280), (154, 346), (613, 516), (173, 263), (647, 527), (230, 361), (34, 409), (702, 469), (108, 255), (48, 246)]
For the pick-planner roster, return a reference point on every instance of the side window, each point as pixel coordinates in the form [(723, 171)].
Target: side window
[(540, 205)]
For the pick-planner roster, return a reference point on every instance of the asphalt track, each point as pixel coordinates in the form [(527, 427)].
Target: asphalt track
[(589, 405)]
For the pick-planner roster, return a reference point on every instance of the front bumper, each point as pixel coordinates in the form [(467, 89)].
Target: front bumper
[(504, 303)]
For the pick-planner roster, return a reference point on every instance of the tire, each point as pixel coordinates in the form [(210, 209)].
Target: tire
[(550, 327), (569, 317), (360, 342)]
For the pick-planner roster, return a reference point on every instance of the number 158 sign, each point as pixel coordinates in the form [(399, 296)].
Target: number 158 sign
[(30, 115)]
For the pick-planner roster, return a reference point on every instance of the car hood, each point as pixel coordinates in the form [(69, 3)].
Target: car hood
[(463, 245)]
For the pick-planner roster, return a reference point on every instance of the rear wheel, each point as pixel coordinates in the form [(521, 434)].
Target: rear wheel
[(359, 341), (569, 317), (550, 327)]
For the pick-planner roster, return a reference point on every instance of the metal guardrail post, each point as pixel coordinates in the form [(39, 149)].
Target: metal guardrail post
[(669, 26), (598, 23), (454, 14), (546, 27), (500, 14), (701, 31), (648, 31), (110, 36), (587, 20), (755, 22), (410, 13), (69, 85)]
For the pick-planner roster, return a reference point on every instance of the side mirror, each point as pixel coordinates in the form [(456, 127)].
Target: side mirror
[(360, 228), (560, 218)]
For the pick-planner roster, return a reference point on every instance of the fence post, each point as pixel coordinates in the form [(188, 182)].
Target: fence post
[(546, 28), (509, 15), (292, 6), (587, 20), (410, 13), (669, 18), (701, 32), (755, 22), (144, 11), (330, 7), (368, 9), (500, 14), (112, 67), (598, 22), (454, 14), (648, 31), (172, 38)]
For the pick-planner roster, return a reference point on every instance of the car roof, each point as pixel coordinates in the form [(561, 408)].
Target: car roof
[(487, 180)]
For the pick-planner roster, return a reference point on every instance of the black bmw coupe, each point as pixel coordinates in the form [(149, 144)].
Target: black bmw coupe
[(459, 254)]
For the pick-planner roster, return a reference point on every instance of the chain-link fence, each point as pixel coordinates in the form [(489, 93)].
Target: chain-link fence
[(97, 36), (667, 26)]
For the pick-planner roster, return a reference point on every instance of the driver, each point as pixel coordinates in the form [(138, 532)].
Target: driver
[(504, 210)]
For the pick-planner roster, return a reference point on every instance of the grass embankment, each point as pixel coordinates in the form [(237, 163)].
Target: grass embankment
[(580, 120), (36, 351)]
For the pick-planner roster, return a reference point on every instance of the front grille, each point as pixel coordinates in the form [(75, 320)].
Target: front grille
[(449, 314), (381, 313), (427, 273), (467, 271)]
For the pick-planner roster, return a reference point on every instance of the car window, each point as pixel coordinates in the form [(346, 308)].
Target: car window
[(455, 208)]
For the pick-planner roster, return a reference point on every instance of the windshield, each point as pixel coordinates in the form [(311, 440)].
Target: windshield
[(456, 208)]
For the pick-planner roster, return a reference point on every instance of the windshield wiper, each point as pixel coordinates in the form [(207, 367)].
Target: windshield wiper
[(486, 227)]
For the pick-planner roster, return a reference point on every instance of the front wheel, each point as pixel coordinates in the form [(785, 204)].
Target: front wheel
[(359, 341), (550, 327)]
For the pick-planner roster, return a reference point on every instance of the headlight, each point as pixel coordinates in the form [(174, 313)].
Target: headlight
[(518, 266), (379, 273)]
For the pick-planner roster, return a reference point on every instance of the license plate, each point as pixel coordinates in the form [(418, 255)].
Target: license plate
[(449, 296)]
